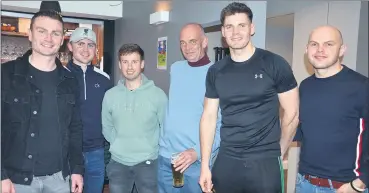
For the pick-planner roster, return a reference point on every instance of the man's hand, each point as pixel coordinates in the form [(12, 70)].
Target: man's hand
[(205, 180), (77, 183), (7, 186), (185, 159), (346, 188)]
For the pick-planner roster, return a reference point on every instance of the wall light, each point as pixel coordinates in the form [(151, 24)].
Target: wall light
[(159, 17)]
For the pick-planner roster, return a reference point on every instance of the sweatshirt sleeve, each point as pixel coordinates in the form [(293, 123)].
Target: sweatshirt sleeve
[(162, 108), (363, 162), (107, 120)]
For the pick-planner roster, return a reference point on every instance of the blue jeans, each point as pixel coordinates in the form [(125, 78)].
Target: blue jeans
[(94, 171), (165, 178), (303, 186), (123, 178)]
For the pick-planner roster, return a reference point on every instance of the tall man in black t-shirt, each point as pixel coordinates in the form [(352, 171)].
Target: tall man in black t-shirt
[(41, 129), (250, 86), (333, 113)]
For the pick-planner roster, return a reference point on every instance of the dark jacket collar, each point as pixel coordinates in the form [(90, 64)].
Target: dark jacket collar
[(76, 68), (22, 67)]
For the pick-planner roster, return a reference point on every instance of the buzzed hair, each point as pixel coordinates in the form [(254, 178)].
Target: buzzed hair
[(340, 35), (195, 24), (332, 27)]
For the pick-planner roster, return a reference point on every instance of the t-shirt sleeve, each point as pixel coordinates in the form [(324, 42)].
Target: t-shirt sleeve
[(211, 91), (283, 76)]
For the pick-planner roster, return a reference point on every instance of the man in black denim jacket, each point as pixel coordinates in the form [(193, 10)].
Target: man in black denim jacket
[(41, 128)]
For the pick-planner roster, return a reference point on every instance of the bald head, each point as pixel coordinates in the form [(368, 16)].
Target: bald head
[(325, 47), (327, 32), (193, 28), (193, 42)]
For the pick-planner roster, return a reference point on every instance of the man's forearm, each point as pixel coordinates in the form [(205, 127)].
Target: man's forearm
[(207, 132), (289, 126)]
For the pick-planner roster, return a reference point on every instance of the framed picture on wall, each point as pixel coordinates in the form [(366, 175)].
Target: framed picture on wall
[(162, 50)]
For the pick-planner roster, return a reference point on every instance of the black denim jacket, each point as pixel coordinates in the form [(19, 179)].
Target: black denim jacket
[(20, 102)]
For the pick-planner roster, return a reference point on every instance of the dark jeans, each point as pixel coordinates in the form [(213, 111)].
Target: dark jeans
[(94, 171), (143, 176), (264, 175)]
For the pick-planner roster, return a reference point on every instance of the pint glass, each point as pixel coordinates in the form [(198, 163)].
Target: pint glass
[(178, 178)]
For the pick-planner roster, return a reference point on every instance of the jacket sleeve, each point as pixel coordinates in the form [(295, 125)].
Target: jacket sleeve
[(5, 84), (4, 175), (76, 136)]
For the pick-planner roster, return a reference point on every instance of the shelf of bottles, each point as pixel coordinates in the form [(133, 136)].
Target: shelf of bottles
[(11, 50), (14, 39)]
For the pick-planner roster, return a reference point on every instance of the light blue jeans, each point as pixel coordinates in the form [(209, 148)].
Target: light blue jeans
[(303, 186), (165, 178), (51, 184)]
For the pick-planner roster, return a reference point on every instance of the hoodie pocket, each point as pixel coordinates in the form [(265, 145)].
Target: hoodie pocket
[(131, 149)]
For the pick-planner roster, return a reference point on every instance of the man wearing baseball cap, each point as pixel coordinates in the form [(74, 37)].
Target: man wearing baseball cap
[(93, 83)]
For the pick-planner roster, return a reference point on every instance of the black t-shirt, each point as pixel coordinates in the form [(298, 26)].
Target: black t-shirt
[(48, 158), (248, 97)]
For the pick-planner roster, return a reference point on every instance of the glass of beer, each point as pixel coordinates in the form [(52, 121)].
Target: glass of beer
[(178, 178)]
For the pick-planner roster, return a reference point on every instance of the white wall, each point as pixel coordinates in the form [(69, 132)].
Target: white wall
[(362, 49), (323, 13), (345, 15), (279, 37), (305, 21), (87, 9)]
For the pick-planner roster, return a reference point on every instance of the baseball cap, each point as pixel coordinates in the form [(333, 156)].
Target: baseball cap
[(82, 33)]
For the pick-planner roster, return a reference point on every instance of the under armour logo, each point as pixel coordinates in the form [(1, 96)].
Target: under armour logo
[(97, 85), (258, 76)]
